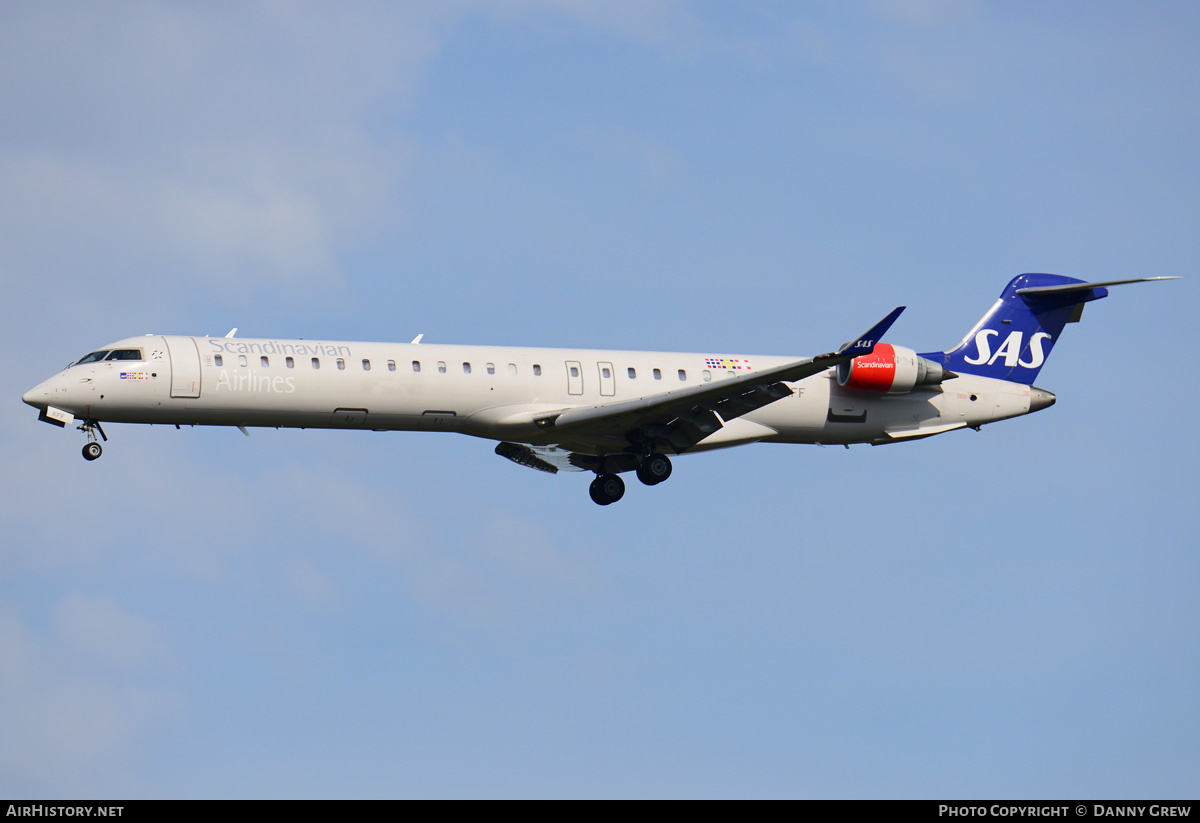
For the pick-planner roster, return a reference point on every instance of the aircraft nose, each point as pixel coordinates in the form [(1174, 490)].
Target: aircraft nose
[(1040, 399), (36, 396)]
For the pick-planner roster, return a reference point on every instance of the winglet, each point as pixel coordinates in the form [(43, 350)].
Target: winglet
[(865, 343)]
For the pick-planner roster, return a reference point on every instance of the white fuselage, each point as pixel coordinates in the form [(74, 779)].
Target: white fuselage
[(487, 391)]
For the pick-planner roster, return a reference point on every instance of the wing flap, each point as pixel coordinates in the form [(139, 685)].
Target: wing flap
[(549, 459)]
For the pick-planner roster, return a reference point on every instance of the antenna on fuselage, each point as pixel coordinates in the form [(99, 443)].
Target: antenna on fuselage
[(417, 339), (232, 332)]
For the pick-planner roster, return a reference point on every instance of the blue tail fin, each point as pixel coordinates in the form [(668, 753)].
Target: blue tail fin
[(1015, 337)]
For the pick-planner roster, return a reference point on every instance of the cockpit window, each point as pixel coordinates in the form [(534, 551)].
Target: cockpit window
[(94, 357), (125, 354)]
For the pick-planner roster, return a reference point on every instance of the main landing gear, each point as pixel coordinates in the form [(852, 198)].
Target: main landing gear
[(609, 488), (654, 469), (606, 489), (92, 449)]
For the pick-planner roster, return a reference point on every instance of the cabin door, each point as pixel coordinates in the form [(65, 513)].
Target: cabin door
[(185, 366)]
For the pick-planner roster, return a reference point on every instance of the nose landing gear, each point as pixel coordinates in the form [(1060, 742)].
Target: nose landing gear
[(92, 449)]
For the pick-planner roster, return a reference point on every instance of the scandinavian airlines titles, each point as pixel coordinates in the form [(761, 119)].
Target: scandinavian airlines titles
[(253, 381), (231, 346)]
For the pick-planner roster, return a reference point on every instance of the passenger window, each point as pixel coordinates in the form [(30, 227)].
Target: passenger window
[(417, 366), (316, 361), (391, 365), (682, 374), (658, 374), (341, 363), (491, 367), (216, 359), (366, 365), (441, 367), (289, 362), (606, 372), (512, 368), (632, 373), (241, 360), (466, 368), (264, 362), (537, 370), (707, 375), (574, 371)]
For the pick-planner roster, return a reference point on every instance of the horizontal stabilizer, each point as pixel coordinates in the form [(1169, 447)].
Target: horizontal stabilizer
[(1012, 341), (1067, 288)]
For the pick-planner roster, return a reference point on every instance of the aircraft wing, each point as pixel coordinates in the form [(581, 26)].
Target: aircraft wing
[(684, 417)]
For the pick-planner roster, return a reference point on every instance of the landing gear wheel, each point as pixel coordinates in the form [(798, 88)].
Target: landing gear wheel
[(91, 451), (654, 469), (606, 489)]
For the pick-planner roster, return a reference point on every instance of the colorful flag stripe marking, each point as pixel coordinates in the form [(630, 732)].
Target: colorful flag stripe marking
[(726, 363)]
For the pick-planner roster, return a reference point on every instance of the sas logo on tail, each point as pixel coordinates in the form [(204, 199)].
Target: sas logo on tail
[(1010, 349)]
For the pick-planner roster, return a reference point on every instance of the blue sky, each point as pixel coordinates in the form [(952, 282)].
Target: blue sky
[(1008, 613)]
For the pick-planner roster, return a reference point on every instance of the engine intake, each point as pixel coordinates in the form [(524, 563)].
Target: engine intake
[(891, 369)]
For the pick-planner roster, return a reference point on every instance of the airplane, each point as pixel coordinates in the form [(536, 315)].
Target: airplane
[(600, 411)]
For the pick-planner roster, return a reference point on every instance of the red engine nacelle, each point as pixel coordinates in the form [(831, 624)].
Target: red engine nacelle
[(891, 369)]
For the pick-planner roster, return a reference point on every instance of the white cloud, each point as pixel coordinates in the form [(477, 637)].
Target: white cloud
[(940, 77), (498, 569), (99, 628), (930, 13), (656, 22), (308, 584), (226, 142), (70, 704)]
